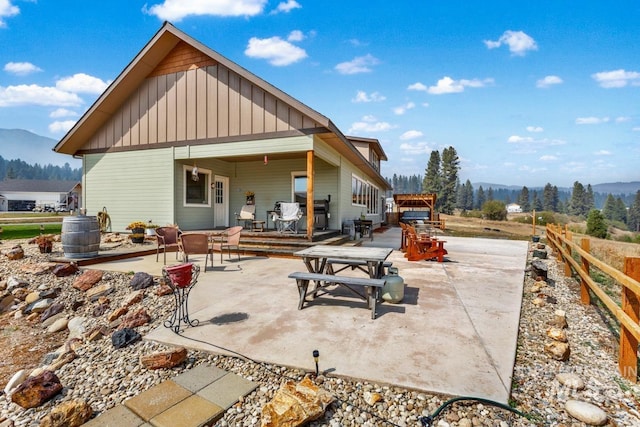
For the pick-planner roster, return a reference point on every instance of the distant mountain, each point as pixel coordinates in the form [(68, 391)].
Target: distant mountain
[(31, 148), (606, 188)]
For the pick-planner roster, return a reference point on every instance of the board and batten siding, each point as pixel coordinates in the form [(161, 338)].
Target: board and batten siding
[(202, 103), (132, 186)]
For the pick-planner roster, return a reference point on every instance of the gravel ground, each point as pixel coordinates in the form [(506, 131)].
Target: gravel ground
[(105, 377)]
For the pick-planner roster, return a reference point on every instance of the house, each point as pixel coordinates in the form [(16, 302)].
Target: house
[(30, 194), (183, 133), (514, 208)]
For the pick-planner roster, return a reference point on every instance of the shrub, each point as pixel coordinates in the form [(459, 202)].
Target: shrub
[(596, 225), (495, 210)]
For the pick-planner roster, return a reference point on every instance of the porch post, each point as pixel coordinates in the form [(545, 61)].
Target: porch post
[(310, 216)]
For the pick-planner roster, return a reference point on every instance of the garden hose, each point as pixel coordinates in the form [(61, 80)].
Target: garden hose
[(428, 420)]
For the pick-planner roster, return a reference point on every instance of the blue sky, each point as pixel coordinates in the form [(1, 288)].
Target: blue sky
[(527, 92)]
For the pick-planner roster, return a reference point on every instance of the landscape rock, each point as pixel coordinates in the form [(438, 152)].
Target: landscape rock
[(6, 302), (295, 404), (559, 319), (50, 293), (134, 298), (141, 280), (164, 289), (586, 412), (558, 350), (77, 327), (14, 282), (64, 270), (53, 309), (557, 334), (34, 391), (539, 269), (117, 313), (99, 291), (15, 381), (58, 325), (372, 397), (72, 413), (124, 337), (570, 380), (136, 318), (100, 309), (39, 306), (87, 280), (32, 297), (15, 253), (164, 360)]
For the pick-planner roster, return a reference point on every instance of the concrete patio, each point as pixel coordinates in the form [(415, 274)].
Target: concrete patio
[(455, 332)]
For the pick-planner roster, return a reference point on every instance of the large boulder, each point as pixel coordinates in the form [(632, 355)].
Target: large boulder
[(72, 413), (141, 280), (296, 404), (34, 391)]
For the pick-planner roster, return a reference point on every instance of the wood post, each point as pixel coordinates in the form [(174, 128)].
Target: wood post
[(310, 213), (585, 297), (628, 362), (567, 247)]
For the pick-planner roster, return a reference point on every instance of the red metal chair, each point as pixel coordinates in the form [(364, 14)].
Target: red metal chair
[(167, 239)]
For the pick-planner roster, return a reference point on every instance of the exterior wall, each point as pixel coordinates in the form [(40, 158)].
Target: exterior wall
[(170, 107), (132, 186)]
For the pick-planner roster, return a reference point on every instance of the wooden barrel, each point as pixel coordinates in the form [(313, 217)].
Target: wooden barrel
[(80, 236)]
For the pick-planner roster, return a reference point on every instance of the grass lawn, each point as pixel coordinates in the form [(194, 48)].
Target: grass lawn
[(27, 231)]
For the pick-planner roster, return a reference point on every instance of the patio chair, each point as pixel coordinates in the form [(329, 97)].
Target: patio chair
[(167, 239), (230, 240), (196, 244), (287, 220), (247, 215)]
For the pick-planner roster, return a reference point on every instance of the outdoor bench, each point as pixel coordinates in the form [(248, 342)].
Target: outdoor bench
[(353, 263), (372, 286)]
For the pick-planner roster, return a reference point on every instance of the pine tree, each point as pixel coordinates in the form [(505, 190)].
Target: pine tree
[(596, 225), (450, 166), (432, 182), (523, 200), (577, 204), (481, 198), (633, 216), (490, 196), (620, 210), (609, 207), (589, 200)]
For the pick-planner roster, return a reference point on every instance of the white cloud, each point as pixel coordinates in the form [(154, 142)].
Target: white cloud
[(548, 81), (357, 43), (360, 64), (403, 108), (548, 158), (591, 120), (534, 129), (287, 6), (617, 78), (519, 42), (7, 10), (61, 127), (62, 112), (37, 95), (82, 83), (448, 85), (417, 86), (277, 51), (295, 36), (623, 119), (362, 96), (176, 10), (21, 68), (416, 148), (369, 124), (602, 153), (636, 129), (523, 140), (411, 134)]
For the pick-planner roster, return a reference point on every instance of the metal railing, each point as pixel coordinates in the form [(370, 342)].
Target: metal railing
[(628, 314)]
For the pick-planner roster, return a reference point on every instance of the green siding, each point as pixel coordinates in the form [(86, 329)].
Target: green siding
[(132, 186)]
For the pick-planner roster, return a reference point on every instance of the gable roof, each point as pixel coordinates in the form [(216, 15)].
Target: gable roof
[(37, 185), (151, 59)]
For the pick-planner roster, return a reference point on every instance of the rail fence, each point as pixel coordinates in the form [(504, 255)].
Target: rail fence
[(628, 314)]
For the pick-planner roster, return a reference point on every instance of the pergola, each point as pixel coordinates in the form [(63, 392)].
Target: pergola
[(415, 201)]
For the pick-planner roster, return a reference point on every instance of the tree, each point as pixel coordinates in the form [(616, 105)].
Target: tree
[(609, 206), (489, 195), (465, 196), (480, 198), (495, 210), (450, 167), (589, 200), (432, 182), (633, 216), (523, 199), (596, 225), (620, 210), (578, 202), (536, 203)]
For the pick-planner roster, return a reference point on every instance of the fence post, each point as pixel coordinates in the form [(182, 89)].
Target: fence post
[(628, 362), (558, 241), (585, 297), (567, 265)]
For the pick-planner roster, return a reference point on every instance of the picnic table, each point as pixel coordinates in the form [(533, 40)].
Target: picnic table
[(320, 259)]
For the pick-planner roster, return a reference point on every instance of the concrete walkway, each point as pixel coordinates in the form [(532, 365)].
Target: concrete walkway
[(455, 331)]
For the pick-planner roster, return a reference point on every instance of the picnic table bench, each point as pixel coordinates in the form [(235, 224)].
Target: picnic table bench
[(353, 263), (372, 286)]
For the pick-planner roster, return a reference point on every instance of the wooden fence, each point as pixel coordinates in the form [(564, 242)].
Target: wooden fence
[(561, 240)]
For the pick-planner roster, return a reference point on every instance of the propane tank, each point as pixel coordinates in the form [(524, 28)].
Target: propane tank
[(393, 289)]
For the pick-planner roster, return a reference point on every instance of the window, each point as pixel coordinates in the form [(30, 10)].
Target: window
[(196, 187), (365, 194), (299, 185)]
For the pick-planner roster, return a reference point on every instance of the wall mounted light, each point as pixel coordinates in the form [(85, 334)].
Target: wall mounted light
[(194, 173)]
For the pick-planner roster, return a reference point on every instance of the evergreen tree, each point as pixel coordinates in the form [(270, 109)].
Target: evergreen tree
[(578, 202), (465, 196), (620, 210), (432, 182), (596, 225), (523, 200), (609, 207), (550, 198), (536, 202), (633, 217), (450, 167), (481, 198), (490, 196), (589, 200)]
